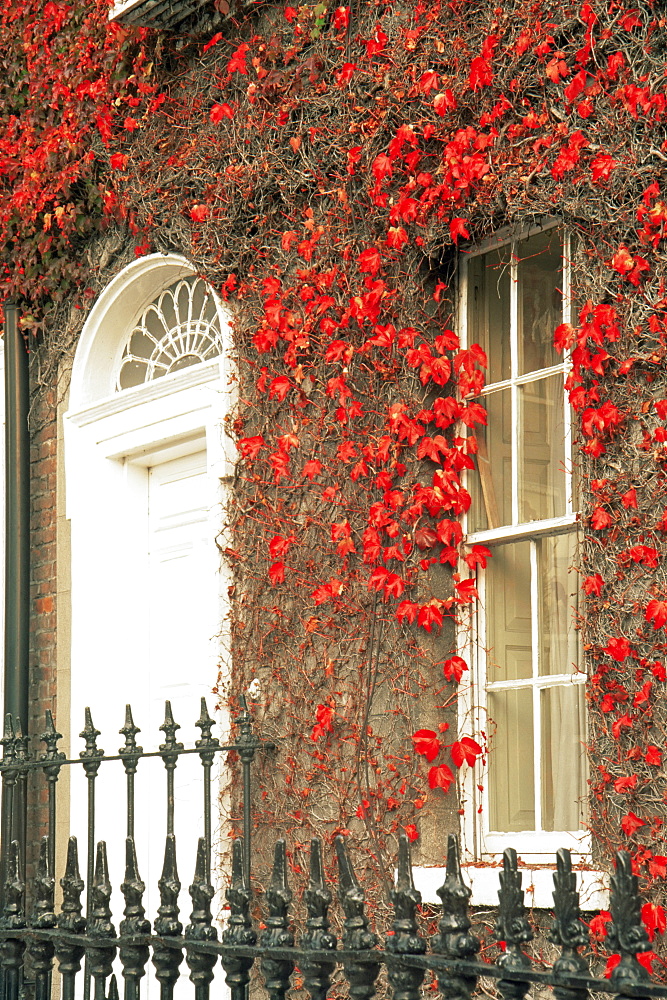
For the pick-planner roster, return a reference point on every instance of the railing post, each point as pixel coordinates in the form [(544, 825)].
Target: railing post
[(277, 971), (71, 921), (200, 928), (356, 937), (512, 927), (130, 753), (567, 930), (52, 762), (317, 973), (405, 940), (247, 745), (9, 776), (100, 928), (207, 746), (13, 918), (133, 956), (40, 951), (169, 753), (454, 939), (239, 931), (626, 933), (167, 960)]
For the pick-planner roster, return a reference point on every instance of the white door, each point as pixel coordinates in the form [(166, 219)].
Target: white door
[(181, 606)]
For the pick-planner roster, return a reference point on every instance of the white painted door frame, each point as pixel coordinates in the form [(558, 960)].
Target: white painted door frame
[(111, 441)]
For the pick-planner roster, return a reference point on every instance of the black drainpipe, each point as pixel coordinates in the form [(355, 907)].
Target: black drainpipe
[(17, 560)]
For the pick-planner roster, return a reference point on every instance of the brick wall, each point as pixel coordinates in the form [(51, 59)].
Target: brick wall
[(43, 587)]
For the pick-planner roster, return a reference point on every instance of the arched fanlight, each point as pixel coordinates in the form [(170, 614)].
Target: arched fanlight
[(180, 328)]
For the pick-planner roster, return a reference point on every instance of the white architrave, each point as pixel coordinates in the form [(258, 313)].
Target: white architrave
[(112, 440)]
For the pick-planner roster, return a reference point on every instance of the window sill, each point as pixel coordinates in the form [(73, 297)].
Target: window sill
[(537, 883)]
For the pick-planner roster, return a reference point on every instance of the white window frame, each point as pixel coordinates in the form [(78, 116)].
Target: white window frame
[(481, 844)]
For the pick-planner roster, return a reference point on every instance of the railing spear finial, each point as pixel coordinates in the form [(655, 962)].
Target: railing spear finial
[(71, 921), (201, 926), (167, 960), (277, 972), (317, 937), (133, 957), (405, 939), (356, 936), (454, 939), (239, 931), (567, 930), (40, 950), (626, 933), (512, 927)]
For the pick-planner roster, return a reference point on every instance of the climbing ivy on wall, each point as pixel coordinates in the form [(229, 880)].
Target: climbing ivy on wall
[(322, 166)]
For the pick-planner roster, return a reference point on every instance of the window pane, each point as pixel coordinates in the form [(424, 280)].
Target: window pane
[(541, 449), (559, 640), (491, 491), (508, 618), (511, 780), (489, 309), (540, 277), (563, 757)]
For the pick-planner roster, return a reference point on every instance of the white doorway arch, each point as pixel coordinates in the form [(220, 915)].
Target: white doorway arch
[(146, 472)]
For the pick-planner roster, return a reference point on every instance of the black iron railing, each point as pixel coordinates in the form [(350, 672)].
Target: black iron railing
[(86, 944), (16, 767)]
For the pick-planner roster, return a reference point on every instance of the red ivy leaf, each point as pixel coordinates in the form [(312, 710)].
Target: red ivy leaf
[(624, 721), (653, 755), (457, 228), (369, 261), (626, 783), (411, 832), (654, 919), (198, 213), (477, 555), (312, 468), (612, 962), (407, 611), (629, 499), (237, 63), (279, 546), (593, 584), (645, 958), (453, 668), (429, 615), (656, 611), (465, 750), (657, 866), (277, 572), (600, 519), (598, 925), (250, 447), (618, 648), (426, 744), (279, 387), (466, 591), (219, 112), (631, 823), (440, 777), (324, 715)]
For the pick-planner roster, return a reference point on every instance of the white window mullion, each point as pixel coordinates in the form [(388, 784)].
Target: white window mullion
[(514, 371), (567, 413), (481, 793), (537, 721)]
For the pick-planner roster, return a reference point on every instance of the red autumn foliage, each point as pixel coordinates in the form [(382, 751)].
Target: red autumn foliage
[(319, 243)]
